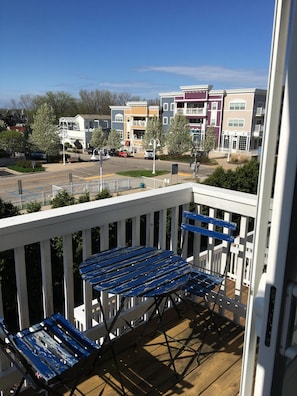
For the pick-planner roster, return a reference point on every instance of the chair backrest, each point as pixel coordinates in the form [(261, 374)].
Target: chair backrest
[(205, 231), (199, 224)]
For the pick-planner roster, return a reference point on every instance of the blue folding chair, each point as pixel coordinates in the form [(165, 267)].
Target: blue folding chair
[(207, 277), (50, 355)]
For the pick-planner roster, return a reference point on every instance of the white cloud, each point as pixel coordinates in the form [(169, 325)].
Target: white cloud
[(225, 77)]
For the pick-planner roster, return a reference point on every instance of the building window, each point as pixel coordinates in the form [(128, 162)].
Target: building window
[(213, 121), (226, 142), (214, 106), (238, 105), (235, 123), (196, 120), (242, 143), (139, 134), (198, 136), (165, 107), (165, 120), (119, 118), (172, 106)]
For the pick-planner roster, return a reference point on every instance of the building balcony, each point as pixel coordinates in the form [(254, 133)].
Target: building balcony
[(258, 130), (149, 218), (139, 123), (195, 111), (260, 111)]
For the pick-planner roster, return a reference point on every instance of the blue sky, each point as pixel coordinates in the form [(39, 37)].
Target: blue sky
[(140, 47)]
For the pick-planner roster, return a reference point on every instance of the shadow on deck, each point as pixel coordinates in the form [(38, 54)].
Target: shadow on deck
[(144, 362)]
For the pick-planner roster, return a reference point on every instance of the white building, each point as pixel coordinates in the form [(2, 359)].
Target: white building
[(78, 130)]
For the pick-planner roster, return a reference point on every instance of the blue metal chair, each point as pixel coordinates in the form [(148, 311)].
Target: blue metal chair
[(50, 355), (207, 277)]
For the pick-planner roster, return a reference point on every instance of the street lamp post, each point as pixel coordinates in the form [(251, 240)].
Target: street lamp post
[(63, 136), (195, 164), (63, 142), (155, 143), (93, 158)]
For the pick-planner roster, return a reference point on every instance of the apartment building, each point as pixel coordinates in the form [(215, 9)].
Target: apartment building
[(201, 105), (236, 116), (243, 121), (131, 122)]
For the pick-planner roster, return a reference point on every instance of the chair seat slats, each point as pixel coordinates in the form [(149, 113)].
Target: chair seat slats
[(49, 350), (201, 283), (70, 337), (32, 357)]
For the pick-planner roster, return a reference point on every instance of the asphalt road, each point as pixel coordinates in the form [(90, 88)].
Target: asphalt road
[(59, 174)]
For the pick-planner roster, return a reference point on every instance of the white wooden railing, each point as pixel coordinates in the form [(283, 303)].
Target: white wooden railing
[(150, 208)]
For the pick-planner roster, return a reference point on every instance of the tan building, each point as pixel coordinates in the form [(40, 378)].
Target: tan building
[(131, 122), (243, 121)]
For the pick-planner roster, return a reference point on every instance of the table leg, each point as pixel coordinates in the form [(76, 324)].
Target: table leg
[(107, 338), (160, 315)]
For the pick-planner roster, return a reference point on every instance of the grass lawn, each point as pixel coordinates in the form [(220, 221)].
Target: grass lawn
[(139, 173)]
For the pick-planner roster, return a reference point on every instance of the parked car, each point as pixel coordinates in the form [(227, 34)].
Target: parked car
[(38, 155), (149, 154), (113, 152), (124, 153)]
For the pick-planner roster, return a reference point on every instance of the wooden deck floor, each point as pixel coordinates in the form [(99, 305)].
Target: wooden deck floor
[(144, 363)]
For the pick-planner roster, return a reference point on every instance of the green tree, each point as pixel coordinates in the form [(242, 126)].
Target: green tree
[(44, 135), (98, 139), (96, 102), (12, 141), (2, 125), (209, 141), (153, 131), (62, 104), (244, 178), (178, 138), (114, 139)]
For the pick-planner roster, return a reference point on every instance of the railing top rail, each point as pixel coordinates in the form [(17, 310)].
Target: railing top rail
[(34, 227)]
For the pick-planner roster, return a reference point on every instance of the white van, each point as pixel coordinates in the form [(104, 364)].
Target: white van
[(149, 154)]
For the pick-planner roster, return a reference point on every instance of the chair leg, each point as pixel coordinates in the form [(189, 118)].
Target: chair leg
[(211, 325), (19, 387)]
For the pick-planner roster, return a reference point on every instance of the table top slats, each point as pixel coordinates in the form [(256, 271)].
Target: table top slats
[(139, 268), (141, 281), (107, 258), (136, 271), (113, 264)]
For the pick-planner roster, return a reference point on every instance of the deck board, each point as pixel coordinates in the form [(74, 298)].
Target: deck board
[(144, 362)]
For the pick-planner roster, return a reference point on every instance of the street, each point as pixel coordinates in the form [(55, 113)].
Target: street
[(59, 174)]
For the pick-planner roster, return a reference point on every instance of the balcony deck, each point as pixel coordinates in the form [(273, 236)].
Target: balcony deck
[(144, 360)]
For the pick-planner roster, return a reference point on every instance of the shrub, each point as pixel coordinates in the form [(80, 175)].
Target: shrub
[(84, 198), (27, 166), (63, 198), (103, 194), (32, 207)]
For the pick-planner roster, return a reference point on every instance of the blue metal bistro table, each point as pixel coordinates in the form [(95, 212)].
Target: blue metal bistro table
[(136, 271)]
